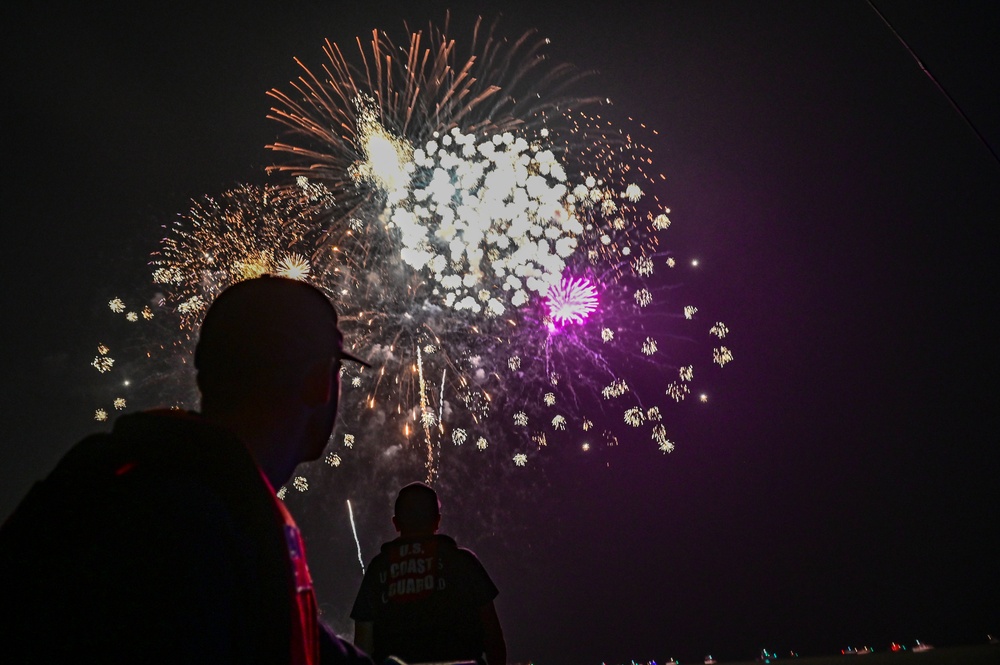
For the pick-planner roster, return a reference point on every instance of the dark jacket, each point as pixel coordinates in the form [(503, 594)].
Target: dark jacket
[(158, 542)]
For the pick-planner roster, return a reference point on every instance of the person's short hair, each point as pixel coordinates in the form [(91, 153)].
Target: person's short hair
[(417, 508), (261, 335)]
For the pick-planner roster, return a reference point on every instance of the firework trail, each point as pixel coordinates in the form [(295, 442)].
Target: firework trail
[(354, 530), (490, 244)]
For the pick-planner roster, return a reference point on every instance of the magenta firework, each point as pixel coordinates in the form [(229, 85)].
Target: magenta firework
[(572, 300)]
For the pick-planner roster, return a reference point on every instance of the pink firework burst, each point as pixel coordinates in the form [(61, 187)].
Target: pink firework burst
[(572, 300)]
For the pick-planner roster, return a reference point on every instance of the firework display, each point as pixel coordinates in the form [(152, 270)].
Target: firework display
[(493, 246)]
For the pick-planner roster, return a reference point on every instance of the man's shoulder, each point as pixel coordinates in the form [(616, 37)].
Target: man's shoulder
[(180, 445), (148, 462), (472, 568), (150, 436), (449, 544)]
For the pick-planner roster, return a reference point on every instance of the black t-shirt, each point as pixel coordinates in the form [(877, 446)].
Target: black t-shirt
[(424, 597)]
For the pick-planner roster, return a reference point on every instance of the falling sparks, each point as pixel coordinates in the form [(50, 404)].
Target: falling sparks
[(191, 306), (116, 305), (559, 423), (168, 275), (634, 417), (103, 363), (678, 391), (690, 311), (550, 399), (459, 436), (660, 437), (607, 334), (661, 222), (348, 440), (481, 443), (333, 459), (633, 192), (686, 373), (721, 355), (300, 483), (643, 265), (616, 388), (643, 298), (100, 415), (521, 419), (649, 346), (520, 459), (119, 403), (719, 330)]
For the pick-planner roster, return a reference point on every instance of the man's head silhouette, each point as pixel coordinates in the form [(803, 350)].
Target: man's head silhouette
[(417, 510), (268, 361)]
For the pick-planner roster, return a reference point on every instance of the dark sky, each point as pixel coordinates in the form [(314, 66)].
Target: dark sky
[(840, 486)]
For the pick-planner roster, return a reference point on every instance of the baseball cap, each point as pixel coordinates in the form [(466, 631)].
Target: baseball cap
[(269, 319)]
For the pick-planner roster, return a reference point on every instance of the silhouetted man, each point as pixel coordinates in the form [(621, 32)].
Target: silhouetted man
[(424, 599), (163, 540)]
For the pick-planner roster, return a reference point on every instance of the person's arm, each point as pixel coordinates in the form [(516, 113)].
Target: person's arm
[(364, 635), (494, 645)]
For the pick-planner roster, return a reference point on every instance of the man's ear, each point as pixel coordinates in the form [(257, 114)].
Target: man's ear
[(318, 385)]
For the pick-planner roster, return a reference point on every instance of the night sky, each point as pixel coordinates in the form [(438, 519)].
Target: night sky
[(839, 486)]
